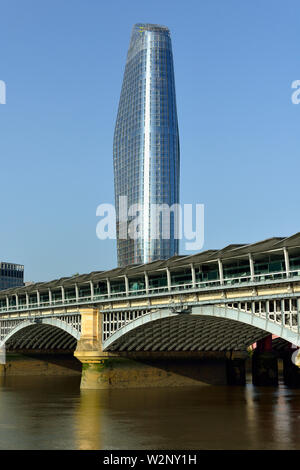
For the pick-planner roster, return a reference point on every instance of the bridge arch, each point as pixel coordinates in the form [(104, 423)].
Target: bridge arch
[(209, 327), (46, 333)]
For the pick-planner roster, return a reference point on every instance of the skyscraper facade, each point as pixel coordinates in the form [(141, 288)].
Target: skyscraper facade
[(146, 144), (11, 275)]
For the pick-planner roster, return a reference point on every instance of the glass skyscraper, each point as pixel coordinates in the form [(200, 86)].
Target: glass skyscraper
[(146, 143), (11, 275)]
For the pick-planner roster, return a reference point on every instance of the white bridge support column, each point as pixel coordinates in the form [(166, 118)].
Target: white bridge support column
[(50, 296), (17, 301), (108, 288), (62, 294), (27, 301), (286, 261), (92, 289), (146, 282), (38, 298), (221, 275), (251, 264), (168, 279), (267, 308), (76, 293), (126, 285), (193, 276)]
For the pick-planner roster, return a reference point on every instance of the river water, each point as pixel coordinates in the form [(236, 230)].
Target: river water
[(52, 413)]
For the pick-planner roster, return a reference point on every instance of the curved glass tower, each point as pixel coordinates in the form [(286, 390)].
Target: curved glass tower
[(146, 144)]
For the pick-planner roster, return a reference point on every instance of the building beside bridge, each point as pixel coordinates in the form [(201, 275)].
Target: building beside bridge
[(11, 275)]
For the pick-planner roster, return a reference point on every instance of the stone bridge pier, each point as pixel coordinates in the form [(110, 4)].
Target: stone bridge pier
[(164, 348), (89, 351), (136, 368)]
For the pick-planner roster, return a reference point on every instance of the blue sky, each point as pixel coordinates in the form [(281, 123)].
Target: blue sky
[(63, 64)]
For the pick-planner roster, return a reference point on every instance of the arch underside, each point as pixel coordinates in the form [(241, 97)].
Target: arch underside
[(188, 333), (41, 337)]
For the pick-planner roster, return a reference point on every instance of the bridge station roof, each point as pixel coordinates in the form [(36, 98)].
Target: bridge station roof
[(232, 251)]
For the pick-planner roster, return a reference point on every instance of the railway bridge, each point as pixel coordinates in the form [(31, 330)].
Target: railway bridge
[(188, 319)]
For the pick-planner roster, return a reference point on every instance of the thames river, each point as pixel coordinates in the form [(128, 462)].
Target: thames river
[(52, 413)]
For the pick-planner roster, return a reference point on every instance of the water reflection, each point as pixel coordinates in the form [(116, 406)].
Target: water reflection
[(89, 420), (52, 413)]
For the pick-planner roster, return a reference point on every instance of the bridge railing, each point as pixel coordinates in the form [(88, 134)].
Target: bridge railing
[(199, 285), (287, 316)]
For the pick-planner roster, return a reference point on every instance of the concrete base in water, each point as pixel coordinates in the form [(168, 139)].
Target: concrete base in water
[(134, 370), (45, 365), (137, 370)]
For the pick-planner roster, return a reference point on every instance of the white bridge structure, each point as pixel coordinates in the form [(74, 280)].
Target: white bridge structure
[(216, 300)]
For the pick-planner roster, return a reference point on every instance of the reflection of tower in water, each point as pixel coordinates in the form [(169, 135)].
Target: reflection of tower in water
[(90, 420)]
